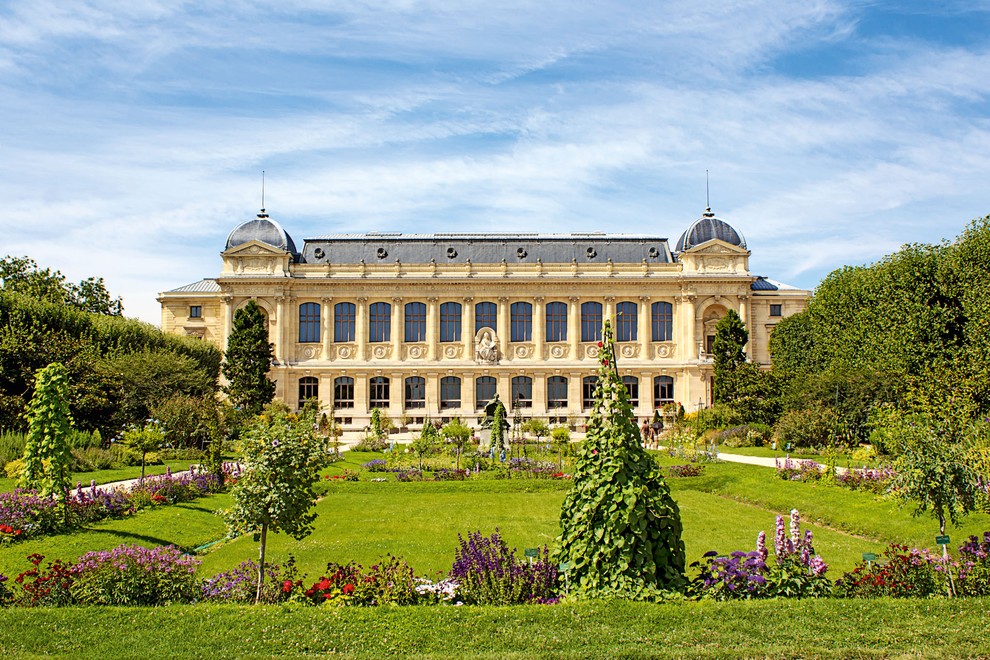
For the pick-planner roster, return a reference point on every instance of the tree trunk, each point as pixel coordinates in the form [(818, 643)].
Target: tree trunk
[(261, 562)]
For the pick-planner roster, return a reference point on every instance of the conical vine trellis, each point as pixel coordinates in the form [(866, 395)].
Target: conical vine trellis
[(620, 528)]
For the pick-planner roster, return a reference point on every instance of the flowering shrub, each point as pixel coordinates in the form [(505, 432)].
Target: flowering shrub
[(905, 572), (796, 571), (487, 573), (376, 465), (974, 566), (30, 513), (796, 470), (134, 575), (8, 533), (172, 489), (239, 585), (685, 470), (442, 592), (98, 504), (45, 586), (874, 480), (337, 586), (412, 474), (389, 582), (450, 475)]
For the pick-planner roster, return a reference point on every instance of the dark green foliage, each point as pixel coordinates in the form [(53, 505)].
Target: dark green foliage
[(727, 349), (22, 275), (189, 421), (248, 360), (46, 450), (620, 528)]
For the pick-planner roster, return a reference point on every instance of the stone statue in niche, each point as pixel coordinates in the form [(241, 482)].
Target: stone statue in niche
[(486, 346)]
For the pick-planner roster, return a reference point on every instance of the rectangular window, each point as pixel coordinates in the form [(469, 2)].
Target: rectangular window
[(343, 322), (379, 322), (309, 389), (484, 391), (415, 392), (450, 322), (522, 392), (632, 387), (626, 321), (774, 310), (556, 321), (416, 321), (343, 392), (556, 392), (591, 321), (663, 391), (588, 386), (450, 392), (663, 321), (485, 316), (195, 311), (521, 321), (378, 392), (309, 323)]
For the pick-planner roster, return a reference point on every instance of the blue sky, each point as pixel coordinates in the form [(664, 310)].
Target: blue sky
[(134, 133)]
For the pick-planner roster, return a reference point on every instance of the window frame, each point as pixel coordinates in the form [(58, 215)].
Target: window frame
[(555, 322), (480, 401), (662, 321), (449, 386), (408, 398), (589, 387), (521, 321), (379, 392), (309, 323), (307, 383), (659, 382), (485, 316), (591, 321), (344, 322), (778, 308), (632, 386), (627, 321), (557, 385), (195, 311), (450, 322), (342, 386), (518, 383), (379, 322), (414, 322)]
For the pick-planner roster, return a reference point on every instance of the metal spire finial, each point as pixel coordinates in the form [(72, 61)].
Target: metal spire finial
[(262, 214)]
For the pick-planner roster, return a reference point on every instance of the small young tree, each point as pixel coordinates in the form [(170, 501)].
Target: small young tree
[(46, 450), (425, 444), (500, 425), (727, 349), (248, 359), (620, 528), (561, 437), (537, 427), (281, 460), (457, 436), (144, 439)]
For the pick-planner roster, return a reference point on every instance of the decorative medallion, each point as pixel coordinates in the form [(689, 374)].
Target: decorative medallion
[(416, 352), (592, 351), (309, 352), (380, 352), (557, 351), (629, 351), (665, 350), (522, 351), (344, 352), (450, 351)]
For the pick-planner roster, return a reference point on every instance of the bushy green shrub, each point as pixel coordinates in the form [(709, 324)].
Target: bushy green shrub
[(812, 427), (91, 458), (716, 417), (134, 575)]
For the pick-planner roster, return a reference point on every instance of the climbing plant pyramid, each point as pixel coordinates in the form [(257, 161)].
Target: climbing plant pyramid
[(620, 528)]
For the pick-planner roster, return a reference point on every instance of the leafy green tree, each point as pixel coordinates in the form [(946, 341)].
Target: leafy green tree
[(620, 528), (500, 425), (457, 436), (248, 360), (144, 438), (561, 437), (425, 444), (727, 352), (537, 427), (46, 451), (22, 274), (281, 459)]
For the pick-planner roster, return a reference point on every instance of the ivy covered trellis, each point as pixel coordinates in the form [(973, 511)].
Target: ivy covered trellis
[(620, 528)]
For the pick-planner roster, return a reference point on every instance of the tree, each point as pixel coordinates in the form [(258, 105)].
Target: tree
[(248, 360), (425, 444), (22, 274), (499, 426), (727, 349), (46, 450), (145, 438), (281, 459), (537, 427), (561, 436), (620, 528), (457, 436)]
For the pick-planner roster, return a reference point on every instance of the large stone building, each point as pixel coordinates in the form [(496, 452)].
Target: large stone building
[(436, 324)]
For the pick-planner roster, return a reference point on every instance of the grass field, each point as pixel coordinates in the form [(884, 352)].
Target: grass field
[(783, 628)]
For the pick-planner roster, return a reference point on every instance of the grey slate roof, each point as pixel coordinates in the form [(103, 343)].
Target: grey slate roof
[(263, 229), (766, 284), (202, 286), (706, 228), (385, 247)]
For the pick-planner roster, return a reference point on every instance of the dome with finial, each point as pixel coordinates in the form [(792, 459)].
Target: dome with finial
[(707, 228), (262, 229)]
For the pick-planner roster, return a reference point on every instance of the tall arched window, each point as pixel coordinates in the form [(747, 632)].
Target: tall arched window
[(485, 316), (309, 390), (663, 321), (343, 322), (484, 390), (415, 392), (522, 392), (450, 322), (379, 322), (343, 392), (663, 391), (626, 321), (556, 321), (591, 321), (588, 386), (378, 391), (309, 322), (415, 321), (450, 392), (556, 392), (632, 387), (521, 321)]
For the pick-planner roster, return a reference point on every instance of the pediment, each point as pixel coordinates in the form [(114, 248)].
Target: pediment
[(254, 249), (716, 246)]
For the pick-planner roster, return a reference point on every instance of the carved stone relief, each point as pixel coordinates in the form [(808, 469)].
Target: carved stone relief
[(665, 350), (523, 350), (381, 351), (452, 351), (557, 351), (629, 351), (592, 351), (486, 346), (416, 352)]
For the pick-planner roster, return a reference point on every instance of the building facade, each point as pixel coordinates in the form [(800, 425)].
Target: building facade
[(437, 324)]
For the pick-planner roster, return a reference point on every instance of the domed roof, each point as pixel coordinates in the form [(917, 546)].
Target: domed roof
[(262, 229), (706, 228)]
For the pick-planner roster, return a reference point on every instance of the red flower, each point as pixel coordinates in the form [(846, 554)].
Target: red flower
[(605, 362), (287, 586), (348, 588), (600, 344), (323, 584)]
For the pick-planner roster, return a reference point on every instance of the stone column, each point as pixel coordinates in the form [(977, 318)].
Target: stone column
[(574, 394), (227, 309), (503, 331), (539, 395), (643, 329), (467, 399), (467, 330), (539, 332), (609, 312), (398, 313), (574, 327), (645, 395), (689, 351), (326, 326), (503, 386), (396, 395), (281, 323), (361, 395), (361, 331), (744, 316), (432, 328), (433, 395)]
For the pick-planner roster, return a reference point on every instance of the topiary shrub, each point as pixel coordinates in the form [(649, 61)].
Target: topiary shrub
[(620, 528)]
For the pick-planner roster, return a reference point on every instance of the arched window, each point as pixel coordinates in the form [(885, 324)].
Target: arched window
[(632, 387), (450, 322), (663, 391), (626, 321), (484, 390), (522, 392), (309, 389), (521, 321), (343, 392), (588, 386), (415, 313), (378, 392), (343, 322), (379, 322), (591, 321), (415, 392), (556, 321), (309, 322), (663, 321), (556, 392), (485, 316), (450, 392)]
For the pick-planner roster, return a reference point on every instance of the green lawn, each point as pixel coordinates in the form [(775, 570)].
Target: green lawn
[(782, 628), (109, 476)]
